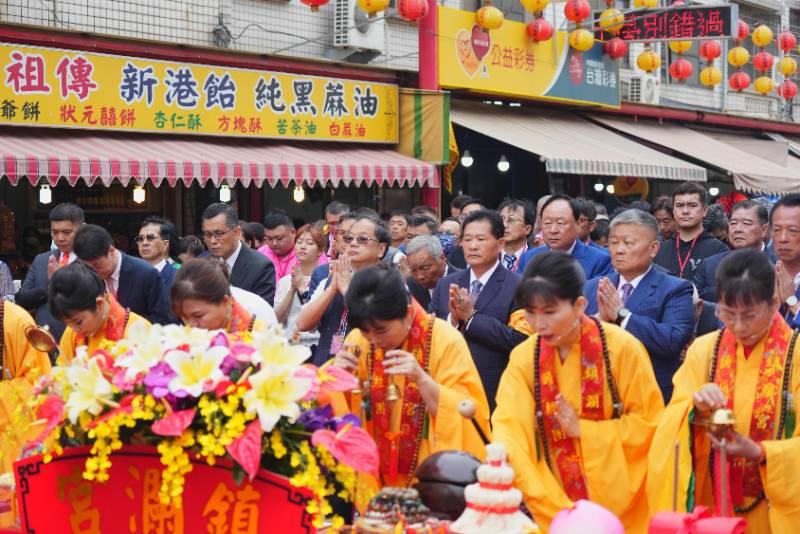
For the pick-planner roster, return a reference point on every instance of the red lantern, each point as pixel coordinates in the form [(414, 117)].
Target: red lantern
[(739, 81), (788, 90), (577, 10), (412, 10), (710, 50), (787, 41), (615, 48), (763, 61), (680, 69), (314, 4), (744, 30), (540, 30)]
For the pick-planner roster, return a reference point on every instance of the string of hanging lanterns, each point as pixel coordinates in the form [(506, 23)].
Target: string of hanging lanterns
[(711, 75), (539, 29), (788, 65), (576, 11), (681, 68), (738, 57)]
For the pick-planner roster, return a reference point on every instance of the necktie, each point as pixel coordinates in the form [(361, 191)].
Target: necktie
[(627, 289), (510, 259), (475, 288), (64, 261)]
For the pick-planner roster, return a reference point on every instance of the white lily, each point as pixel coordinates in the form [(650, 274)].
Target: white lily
[(197, 370), (174, 336), (274, 394), (273, 349), (89, 389)]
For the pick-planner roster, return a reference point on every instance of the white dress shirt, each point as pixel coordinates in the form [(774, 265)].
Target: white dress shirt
[(160, 265), (232, 260), (112, 282)]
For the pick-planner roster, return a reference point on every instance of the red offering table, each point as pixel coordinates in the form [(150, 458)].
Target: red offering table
[(54, 498)]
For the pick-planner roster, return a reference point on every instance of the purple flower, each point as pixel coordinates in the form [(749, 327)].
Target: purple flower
[(316, 419), (228, 364), (158, 379), (349, 419)]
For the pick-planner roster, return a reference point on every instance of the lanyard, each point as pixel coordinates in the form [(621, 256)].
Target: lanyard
[(682, 263)]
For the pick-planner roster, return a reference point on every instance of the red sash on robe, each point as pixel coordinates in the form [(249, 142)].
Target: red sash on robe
[(241, 321), (745, 480), (402, 447), (567, 460), (114, 328)]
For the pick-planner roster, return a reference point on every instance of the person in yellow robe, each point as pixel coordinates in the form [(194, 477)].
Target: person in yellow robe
[(578, 403), (93, 316), (751, 367), (398, 348), (20, 366), (201, 297)]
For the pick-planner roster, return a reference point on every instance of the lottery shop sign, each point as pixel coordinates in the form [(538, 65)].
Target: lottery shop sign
[(55, 498), (505, 62), (681, 23), (63, 88)]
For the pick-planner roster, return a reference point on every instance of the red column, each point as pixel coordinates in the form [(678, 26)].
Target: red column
[(429, 78)]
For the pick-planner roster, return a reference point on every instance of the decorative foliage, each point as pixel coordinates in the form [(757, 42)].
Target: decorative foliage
[(248, 398)]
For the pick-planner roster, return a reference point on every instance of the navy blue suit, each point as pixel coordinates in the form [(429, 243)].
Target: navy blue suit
[(141, 290), (488, 335), (595, 262), (793, 320), (328, 326), (705, 276), (33, 294), (320, 273), (662, 318)]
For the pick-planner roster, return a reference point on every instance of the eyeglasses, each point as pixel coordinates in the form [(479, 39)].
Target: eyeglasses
[(510, 219), (217, 234), (728, 317), (147, 237), (360, 239)]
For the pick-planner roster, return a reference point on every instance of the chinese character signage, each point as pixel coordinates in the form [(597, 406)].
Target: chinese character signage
[(55, 497), (681, 23), (506, 62), (49, 87)]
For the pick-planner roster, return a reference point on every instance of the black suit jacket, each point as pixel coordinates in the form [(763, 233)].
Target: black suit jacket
[(488, 335), (254, 272), (422, 295), (33, 294), (141, 290), (705, 276)]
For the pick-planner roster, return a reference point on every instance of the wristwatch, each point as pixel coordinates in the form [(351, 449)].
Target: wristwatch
[(791, 301), (622, 314)]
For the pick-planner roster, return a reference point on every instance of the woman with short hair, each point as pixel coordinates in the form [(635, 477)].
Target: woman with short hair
[(577, 404), (78, 297), (399, 351), (749, 367), (201, 297)]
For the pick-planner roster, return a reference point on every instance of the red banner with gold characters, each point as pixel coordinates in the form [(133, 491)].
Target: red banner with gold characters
[(73, 89), (54, 497)]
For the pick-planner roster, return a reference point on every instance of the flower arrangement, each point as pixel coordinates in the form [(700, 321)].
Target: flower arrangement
[(245, 397)]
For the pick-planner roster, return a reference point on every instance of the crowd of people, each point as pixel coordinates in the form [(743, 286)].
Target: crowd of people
[(589, 343)]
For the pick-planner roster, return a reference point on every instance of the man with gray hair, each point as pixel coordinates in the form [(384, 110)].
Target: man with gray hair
[(427, 265), (650, 304)]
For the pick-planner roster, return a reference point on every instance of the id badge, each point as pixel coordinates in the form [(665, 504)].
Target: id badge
[(336, 343)]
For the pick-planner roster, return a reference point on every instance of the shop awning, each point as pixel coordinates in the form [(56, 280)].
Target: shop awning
[(52, 155), (569, 144), (749, 172)]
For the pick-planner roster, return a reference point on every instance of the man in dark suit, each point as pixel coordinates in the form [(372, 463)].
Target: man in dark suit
[(154, 241), (559, 226), (748, 228), (653, 306), (136, 284), (250, 270), (426, 261), (65, 219), (479, 300), (784, 220)]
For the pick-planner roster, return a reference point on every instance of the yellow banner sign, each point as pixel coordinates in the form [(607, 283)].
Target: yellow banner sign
[(50, 87), (506, 62)]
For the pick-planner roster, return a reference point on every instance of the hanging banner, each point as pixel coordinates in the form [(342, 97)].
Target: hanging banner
[(506, 62), (51, 87), (682, 23)]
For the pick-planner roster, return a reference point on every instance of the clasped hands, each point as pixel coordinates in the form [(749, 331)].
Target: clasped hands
[(710, 398), (609, 303), (395, 362), (460, 304)]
